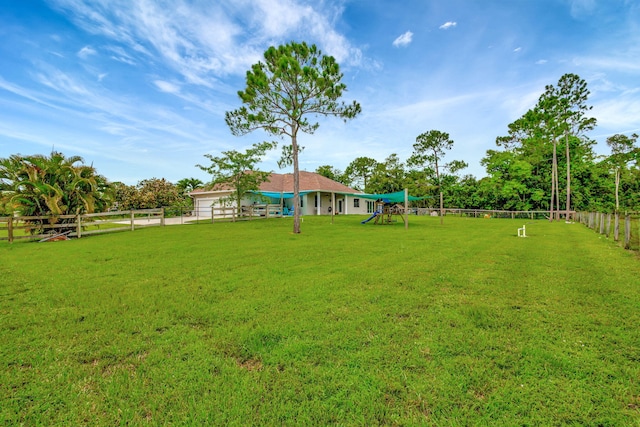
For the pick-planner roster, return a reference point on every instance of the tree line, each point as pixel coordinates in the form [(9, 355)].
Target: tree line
[(524, 171), (546, 160)]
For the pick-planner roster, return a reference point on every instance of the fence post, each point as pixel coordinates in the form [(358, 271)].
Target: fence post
[(608, 225), (602, 223), (627, 231), (10, 229), (78, 226), (616, 226), (162, 217), (133, 224)]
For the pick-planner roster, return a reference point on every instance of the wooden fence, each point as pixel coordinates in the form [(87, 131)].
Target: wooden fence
[(485, 213), (624, 228), (45, 227), (230, 213)]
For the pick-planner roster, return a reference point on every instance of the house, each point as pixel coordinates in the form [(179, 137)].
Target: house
[(319, 195)]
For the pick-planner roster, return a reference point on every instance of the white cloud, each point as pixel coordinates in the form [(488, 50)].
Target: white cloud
[(448, 24), (518, 49), (278, 19), (101, 76), (541, 61), (614, 63), (404, 39), (86, 51), (166, 86), (120, 55), (206, 41), (61, 82), (621, 114)]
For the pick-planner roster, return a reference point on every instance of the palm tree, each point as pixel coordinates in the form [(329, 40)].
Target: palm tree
[(52, 185), (187, 185)]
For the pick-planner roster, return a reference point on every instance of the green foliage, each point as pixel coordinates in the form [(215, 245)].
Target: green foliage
[(462, 324), (52, 185), (150, 194), (156, 193), (236, 170), (294, 82), (428, 153), (330, 172), (187, 185), (387, 176), (624, 154), (125, 196), (564, 108), (360, 171), (525, 173), (430, 148)]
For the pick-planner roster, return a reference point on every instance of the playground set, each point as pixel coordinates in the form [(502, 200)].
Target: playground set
[(388, 205), (384, 212)]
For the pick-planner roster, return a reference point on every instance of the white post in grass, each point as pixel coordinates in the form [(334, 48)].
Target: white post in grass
[(522, 232)]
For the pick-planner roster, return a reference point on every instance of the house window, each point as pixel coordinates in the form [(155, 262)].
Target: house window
[(302, 201), (356, 203), (370, 206)]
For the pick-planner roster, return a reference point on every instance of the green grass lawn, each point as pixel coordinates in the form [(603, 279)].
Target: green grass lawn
[(346, 324)]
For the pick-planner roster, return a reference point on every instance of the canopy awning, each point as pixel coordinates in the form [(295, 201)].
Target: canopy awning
[(397, 197), (276, 195)]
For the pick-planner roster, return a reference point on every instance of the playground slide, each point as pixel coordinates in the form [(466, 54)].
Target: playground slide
[(375, 214)]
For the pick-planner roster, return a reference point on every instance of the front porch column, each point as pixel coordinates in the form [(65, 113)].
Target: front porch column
[(319, 201), (333, 205)]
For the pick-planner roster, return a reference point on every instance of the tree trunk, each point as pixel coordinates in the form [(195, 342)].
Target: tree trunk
[(557, 184), (617, 188), (441, 208), (441, 197), (296, 184), (554, 166), (566, 139), (238, 201)]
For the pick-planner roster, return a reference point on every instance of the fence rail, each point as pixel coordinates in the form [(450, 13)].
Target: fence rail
[(43, 227), (624, 228), (247, 213), (485, 213)]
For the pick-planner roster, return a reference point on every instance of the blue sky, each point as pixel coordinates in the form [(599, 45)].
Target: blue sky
[(139, 88)]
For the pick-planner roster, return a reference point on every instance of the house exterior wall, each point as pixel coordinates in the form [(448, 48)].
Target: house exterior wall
[(356, 205), (344, 204), (202, 203)]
